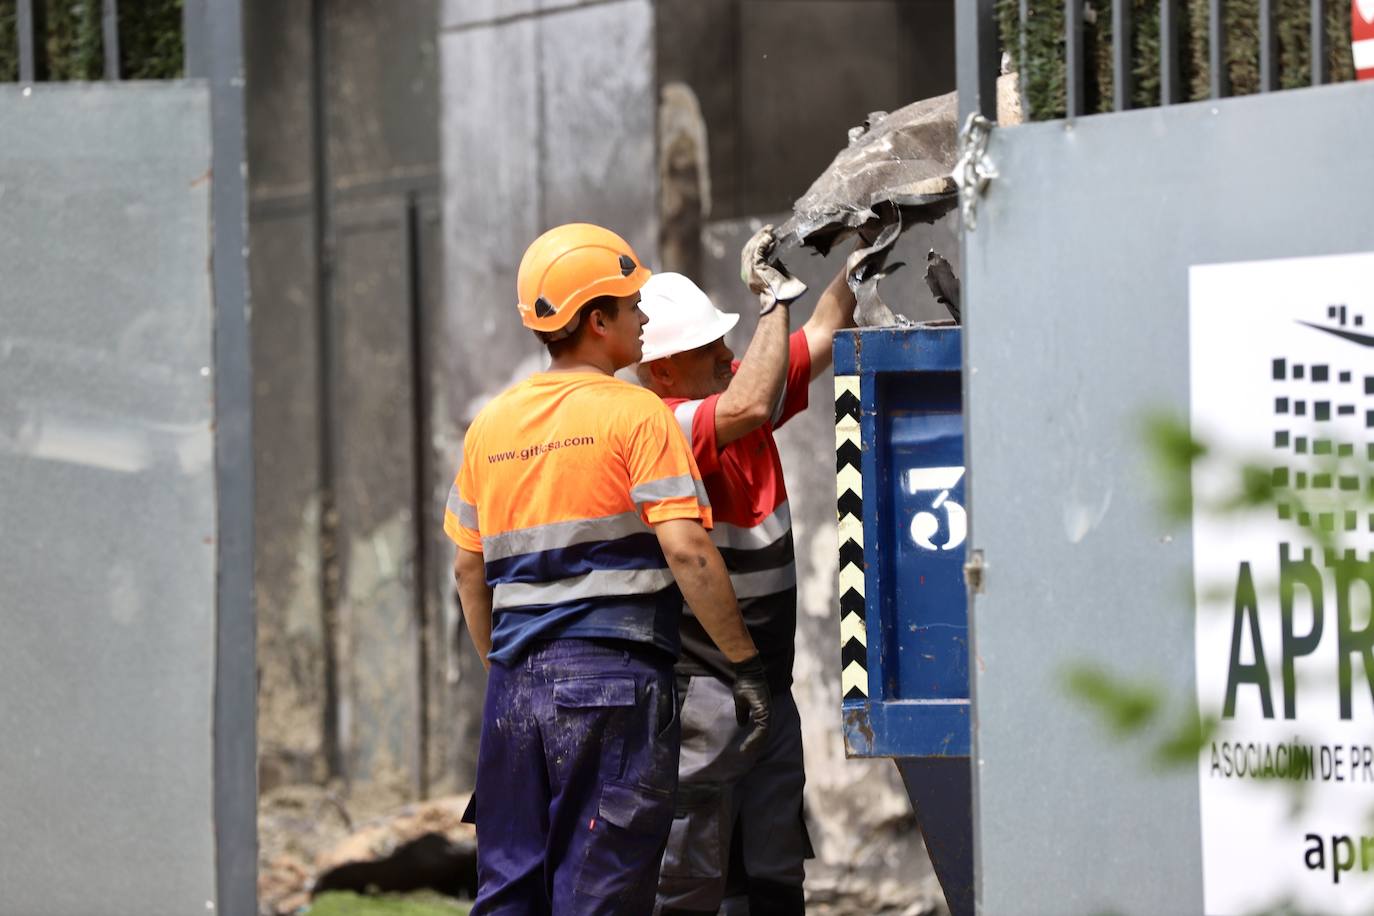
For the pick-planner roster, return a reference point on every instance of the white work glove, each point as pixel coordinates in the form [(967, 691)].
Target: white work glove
[(767, 277)]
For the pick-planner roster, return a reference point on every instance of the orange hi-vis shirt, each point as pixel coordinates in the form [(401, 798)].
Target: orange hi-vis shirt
[(563, 477)]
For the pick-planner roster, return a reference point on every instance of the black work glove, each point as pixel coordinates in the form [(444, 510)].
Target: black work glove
[(753, 700)]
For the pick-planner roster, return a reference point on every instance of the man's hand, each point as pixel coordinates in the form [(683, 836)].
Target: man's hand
[(753, 700), (766, 276)]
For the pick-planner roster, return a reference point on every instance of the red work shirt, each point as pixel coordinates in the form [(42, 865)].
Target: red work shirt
[(753, 525)]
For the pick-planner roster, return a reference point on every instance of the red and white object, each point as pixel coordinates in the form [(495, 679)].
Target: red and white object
[(1362, 37)]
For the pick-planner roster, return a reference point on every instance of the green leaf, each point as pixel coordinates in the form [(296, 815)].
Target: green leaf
[(1125, 707)]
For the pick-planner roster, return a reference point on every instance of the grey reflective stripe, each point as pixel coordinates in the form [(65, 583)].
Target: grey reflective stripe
[(764, 533), (686, 413), (670, 488), (466, 512), (764, 582), (562, 534), (599, 583)]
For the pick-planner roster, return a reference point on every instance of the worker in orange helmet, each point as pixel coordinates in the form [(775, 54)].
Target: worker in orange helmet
[(581, 525), (735, 793)]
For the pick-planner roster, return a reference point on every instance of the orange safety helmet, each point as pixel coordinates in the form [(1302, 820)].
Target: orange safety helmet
[(569, 266)]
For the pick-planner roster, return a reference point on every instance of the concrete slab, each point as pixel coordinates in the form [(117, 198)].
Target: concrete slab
[(465, 13), (599, 114), (492, 211), (812, 69)]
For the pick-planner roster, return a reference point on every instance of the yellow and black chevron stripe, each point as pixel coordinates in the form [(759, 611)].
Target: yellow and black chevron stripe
[(849, 493)]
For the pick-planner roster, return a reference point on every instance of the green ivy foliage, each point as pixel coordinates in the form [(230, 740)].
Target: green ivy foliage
[(1038, 54), (72, 43), (150, 45)]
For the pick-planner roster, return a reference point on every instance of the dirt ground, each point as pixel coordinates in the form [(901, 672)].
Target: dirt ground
[(304, 827)]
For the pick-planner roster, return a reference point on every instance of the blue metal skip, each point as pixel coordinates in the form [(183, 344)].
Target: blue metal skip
[(899, 444)]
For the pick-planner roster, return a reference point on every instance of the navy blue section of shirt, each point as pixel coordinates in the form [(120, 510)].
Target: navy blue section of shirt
[(649, 619), (634, 551)]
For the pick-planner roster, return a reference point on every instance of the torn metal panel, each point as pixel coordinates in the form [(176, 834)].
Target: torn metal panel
[(904, 158), (896, 172)]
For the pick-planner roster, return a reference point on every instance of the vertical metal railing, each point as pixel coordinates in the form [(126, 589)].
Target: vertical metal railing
[(1319, 46), (1269, 70), (1073, 58), (978, 47), (193, 38), (24, 24), (109, 37), (1218, 84), (1123, 65), (976, 57), (31, 38)]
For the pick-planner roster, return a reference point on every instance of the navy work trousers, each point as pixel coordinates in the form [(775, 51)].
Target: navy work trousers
[(576, 777)]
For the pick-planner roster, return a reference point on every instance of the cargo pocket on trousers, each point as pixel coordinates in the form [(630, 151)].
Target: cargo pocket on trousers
[(593, 708), (622, 859), (697, 841)]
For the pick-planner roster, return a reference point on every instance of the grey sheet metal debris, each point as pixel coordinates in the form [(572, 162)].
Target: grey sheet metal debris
[(895, 172), (944, 285)]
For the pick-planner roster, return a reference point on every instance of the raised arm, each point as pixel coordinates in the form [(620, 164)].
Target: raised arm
[(834, 310), (754, 391), (470, 571)]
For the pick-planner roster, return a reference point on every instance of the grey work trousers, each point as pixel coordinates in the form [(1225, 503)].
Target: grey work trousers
[(722, 793)]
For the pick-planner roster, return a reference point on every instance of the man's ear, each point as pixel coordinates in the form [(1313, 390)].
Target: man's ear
[(597, 320), (662, 371)]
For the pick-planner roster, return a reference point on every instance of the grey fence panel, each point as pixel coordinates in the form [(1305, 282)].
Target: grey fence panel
[(109, 532), (1072, 335), (378, 629)]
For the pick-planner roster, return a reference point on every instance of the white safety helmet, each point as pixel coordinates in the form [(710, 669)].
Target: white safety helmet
[(681, 317)]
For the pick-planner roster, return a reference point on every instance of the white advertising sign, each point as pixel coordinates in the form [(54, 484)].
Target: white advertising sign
[(1282, 378)]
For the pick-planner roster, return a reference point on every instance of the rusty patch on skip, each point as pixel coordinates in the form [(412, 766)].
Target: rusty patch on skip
[(858, 720)]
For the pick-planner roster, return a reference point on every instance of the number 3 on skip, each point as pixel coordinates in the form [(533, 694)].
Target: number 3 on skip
[(934, 484)]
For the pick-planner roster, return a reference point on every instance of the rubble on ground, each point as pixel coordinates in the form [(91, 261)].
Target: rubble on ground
[(308, 845)]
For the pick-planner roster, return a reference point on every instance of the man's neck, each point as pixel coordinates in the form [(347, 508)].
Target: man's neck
[(583, 359)]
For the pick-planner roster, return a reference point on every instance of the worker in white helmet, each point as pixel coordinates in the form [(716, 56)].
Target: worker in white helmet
[(729, 411)]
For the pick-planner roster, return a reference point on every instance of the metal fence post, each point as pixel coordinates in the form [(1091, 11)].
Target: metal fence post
[(1269, 79), (235, 725), (975, 58), (1123, 79), (1319, 44), (193, 37), (1073, 58), (25, 25), (109, 34), (1219, 83), (1170, 79)]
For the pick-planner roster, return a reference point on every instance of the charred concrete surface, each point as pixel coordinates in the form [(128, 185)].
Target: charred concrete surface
[(343, 146)]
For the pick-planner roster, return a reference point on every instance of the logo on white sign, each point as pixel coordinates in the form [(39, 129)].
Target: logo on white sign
[(1282, 378)]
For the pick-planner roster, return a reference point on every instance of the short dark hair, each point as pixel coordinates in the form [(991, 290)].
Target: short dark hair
[(607, 305)]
